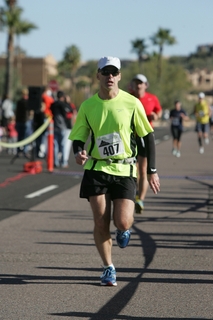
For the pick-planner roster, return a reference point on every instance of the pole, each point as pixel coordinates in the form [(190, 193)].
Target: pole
[(50, 153)]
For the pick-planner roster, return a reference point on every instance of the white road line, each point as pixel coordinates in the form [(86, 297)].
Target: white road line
[(41, 191)]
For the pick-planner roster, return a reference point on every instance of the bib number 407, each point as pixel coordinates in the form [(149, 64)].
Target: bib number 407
[(111, 150), (110, 145)]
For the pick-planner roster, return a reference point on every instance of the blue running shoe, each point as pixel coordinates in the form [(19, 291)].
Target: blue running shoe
[(122, 238), (108, 278)]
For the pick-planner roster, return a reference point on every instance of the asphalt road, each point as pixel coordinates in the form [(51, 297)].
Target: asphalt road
[(49, 263)]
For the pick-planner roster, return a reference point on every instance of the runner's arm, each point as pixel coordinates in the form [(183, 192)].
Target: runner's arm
[(79, 152), (152, 175), (149, 141), (78, 145)]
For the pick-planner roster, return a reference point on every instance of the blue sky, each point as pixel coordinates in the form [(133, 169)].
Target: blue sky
[(100, 28)]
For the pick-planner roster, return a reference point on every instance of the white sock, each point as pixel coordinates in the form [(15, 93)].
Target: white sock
[(111, 265)]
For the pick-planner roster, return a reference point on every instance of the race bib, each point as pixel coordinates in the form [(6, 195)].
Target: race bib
[(175, 121), (110, 145)]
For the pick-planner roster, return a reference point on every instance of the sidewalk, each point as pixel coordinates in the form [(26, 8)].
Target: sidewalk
[(50, 267)]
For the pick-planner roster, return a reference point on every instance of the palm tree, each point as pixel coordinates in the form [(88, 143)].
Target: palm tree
[(88, 71), (139, 47), (1, 18), (71, 59), (11, 19), (160, 38), (8, 16), (72, 56), (23, 27)]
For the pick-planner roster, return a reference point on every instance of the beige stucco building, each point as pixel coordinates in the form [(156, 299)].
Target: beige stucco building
[(202, 81), (34, 71)]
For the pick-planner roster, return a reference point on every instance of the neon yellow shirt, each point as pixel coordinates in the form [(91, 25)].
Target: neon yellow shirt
[(111, 126), (202, 109)]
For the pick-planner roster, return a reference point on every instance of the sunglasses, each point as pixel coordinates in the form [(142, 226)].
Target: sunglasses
[(108, 72)]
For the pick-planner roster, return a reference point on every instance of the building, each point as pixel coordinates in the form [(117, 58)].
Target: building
[(34, 71), (201, 79), (205, 49)]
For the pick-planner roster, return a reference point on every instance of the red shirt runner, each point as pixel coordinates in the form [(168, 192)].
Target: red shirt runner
[(151, 104)]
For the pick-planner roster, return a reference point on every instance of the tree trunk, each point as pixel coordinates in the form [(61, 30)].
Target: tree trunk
[(8, 89), (19, 61), (159, 63)]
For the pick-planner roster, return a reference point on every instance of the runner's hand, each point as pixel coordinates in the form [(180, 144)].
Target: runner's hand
[(154, 182), (81, 157)]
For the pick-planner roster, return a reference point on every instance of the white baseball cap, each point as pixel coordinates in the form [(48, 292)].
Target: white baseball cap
[(109, 61), (201, 95), (140, 77)]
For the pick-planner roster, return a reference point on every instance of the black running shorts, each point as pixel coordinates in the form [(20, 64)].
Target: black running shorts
[(176, 132), (98, 182)]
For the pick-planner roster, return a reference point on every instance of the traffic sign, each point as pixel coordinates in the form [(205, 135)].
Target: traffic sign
[(53, 84)]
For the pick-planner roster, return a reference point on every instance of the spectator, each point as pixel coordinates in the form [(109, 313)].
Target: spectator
[(38, 121), (58, 109), (1, 135), (71, 113), (7, 110), (24, 118), (12, 134), (0, 112), (47, 100)]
